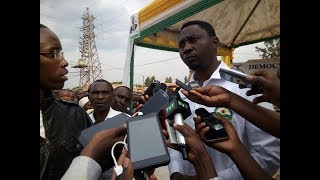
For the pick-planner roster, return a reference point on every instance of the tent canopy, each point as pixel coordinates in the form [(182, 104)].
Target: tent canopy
[(236, 22)]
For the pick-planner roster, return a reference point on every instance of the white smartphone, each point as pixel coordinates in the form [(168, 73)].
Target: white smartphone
[(234, 76)]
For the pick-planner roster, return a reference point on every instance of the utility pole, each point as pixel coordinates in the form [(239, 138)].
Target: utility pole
[(89, 63), (142, 80)]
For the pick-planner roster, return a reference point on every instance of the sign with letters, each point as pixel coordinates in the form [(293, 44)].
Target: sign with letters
[(250, 66)]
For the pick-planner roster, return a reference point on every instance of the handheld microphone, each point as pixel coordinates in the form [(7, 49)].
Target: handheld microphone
[(176, 111), (159, 86), (162, 113), (150, 88)]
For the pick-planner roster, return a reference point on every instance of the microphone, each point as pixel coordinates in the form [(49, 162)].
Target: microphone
[(159, 86), (162, 113), (150, 88), (177, 110)]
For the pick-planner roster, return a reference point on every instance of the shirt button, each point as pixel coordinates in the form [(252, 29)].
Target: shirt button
[(78, 146)]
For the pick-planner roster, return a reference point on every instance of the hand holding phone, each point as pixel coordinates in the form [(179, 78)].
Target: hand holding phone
[(217, 131)]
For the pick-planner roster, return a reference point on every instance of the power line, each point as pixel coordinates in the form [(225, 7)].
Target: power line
[(157, 62), (55, 6), (142, 64)]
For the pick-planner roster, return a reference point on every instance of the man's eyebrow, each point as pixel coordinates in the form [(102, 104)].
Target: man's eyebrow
[(48, 47)]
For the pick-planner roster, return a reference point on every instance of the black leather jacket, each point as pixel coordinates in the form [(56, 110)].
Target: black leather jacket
[(63, 123)]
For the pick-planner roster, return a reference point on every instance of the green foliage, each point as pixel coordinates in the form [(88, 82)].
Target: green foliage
[(116, 82), (168, 80), (272, 49), (147, 82), (152, 78)]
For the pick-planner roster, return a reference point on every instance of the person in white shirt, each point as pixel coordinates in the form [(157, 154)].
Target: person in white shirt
[(198, 49), (100, 96)]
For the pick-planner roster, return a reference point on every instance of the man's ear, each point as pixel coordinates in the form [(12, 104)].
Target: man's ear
[(215, 41)]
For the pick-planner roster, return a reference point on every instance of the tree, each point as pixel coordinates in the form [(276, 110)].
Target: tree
[(272, 49), (152, 78), (147, 82), (185, 79), (116, 82), (168, 80)]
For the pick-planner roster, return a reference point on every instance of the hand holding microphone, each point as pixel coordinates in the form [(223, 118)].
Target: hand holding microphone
[(176, 111)]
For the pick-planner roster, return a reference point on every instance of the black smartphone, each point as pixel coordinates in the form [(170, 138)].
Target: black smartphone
[(217, 131), (155, 103), (183, 85), (146, 143)]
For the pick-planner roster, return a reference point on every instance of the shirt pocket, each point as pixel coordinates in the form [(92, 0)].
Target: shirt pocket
[(73, 145)]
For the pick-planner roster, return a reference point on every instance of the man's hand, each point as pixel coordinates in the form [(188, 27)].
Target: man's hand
[(210, 96), (269, 84), (101, 143), (137, 108), (193, 141), (126, 163), (128, 170), (226, 146), (197, 153), (144, 98)]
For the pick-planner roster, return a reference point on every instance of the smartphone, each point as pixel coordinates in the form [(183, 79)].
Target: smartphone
[(217, 131), (234, 76), (155, 103), (146, 144), (183, 85)]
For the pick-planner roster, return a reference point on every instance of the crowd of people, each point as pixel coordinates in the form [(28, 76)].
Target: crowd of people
[(252, 150)]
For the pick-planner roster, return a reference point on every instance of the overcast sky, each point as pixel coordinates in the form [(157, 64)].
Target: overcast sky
[(112, 30)]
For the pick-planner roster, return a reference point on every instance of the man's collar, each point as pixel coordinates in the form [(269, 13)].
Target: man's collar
[(215, 74), (91, 115)]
